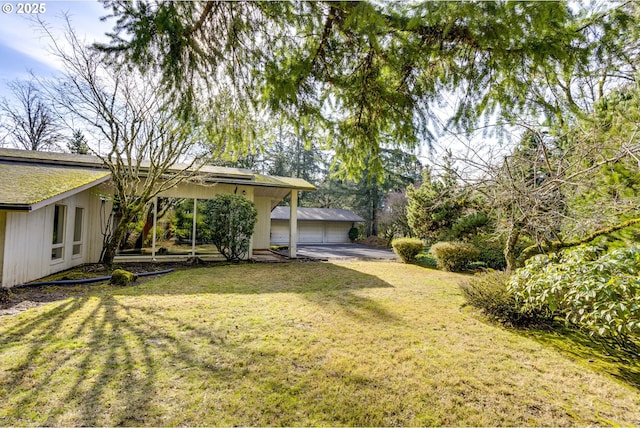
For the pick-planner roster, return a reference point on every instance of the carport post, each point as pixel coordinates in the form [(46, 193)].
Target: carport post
[(293, 224)]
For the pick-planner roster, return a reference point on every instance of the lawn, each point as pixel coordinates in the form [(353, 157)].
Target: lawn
[(361, 343)]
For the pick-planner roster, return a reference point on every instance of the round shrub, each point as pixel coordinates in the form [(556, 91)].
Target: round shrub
[(231, 220), (353, 234), (454, 256), (407, 248)]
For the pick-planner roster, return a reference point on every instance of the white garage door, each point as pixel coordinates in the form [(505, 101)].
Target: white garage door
[(279, 232), (310, 232), (337, 233)]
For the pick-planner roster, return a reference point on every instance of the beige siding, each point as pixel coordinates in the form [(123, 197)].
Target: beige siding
[(28, 239), (263, 226), (3, 223)]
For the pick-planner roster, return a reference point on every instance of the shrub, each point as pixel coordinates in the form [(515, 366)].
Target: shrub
[(122, 277), (488, 292), (407, 248), (454, 256), (353, 234), (591, 290), (231, 220), (491, 251), (425, 259)]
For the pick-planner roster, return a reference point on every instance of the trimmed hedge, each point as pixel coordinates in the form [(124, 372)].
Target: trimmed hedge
[(454, 256), (407, 248)]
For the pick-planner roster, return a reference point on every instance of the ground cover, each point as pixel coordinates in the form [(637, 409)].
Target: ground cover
[(360, 343)]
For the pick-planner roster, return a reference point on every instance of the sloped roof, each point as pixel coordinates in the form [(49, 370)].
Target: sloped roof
[(28, 187), (29, 179), (317, 214)]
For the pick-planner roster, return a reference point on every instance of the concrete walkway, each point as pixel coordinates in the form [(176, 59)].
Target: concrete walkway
[(343, 251)]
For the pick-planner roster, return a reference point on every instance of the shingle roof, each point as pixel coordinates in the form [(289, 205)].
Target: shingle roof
[(28, 178), (317, 214), (26, 187)]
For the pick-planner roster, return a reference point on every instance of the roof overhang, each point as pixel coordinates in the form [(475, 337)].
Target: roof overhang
[(30, 187)]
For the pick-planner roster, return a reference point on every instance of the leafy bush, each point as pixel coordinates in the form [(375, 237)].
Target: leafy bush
[(353, 233), (426, 259), (231, 220), (407, 248), (595, 291), (488, 291), (454, 256)]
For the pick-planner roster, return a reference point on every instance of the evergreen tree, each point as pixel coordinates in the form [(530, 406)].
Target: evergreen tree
[(78, 143), (364, 72)]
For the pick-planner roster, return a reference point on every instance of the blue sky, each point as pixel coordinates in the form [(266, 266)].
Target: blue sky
[(24, 49)]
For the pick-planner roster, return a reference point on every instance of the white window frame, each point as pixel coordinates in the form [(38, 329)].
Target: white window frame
[(58, 244), (78, 243)]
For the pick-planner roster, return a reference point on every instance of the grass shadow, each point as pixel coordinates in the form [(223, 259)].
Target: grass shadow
[(303, 278), (598, 355)]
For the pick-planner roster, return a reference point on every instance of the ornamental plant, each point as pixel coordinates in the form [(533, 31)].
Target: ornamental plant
[(454, 256), (231, 220), (407, 248), (591, 289)]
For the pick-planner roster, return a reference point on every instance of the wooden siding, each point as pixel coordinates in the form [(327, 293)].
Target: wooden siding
[(3, 222), (28, 239), (263, 226)]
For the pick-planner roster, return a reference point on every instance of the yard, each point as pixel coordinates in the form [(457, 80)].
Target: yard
[(360, 343)]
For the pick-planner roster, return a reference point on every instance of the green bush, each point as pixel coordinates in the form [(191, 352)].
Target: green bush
[(231, 220), (488, 292), (454, 256), (353, 234), (122, 277), (425, 259), (407, 248), (491, 251), (593, 290)]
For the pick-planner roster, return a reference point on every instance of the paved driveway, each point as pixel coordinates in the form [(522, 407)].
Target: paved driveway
[(344, 251)]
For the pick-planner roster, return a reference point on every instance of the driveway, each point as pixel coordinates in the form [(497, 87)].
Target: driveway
[(344, 251)]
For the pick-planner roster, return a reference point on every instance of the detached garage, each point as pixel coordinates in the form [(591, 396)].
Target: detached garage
[(315, 225)]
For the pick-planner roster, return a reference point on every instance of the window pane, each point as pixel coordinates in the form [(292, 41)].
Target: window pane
[(77, 227), (56, 253), (58, 224), (77, 248)]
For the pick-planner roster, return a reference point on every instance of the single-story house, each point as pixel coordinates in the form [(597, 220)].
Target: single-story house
[(315, 225), (55, 209)]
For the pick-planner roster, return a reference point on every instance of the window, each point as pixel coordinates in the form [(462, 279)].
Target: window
[(77, 232), (59, 216)]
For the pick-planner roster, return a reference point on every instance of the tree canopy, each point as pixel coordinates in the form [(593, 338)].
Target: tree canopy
[(367, 74)]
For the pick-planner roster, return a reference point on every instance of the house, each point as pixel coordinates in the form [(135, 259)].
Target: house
[(315, 225), (55, 209)]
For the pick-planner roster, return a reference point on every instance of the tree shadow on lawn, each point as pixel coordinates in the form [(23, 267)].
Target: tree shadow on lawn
[(623, 364), (100, 361), (106, 359)]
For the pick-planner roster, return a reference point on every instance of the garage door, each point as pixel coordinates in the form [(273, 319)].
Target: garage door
[(279, 232), (310, 232), (337, 233)]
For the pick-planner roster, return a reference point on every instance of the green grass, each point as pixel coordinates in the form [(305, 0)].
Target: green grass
[(366, 343)]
